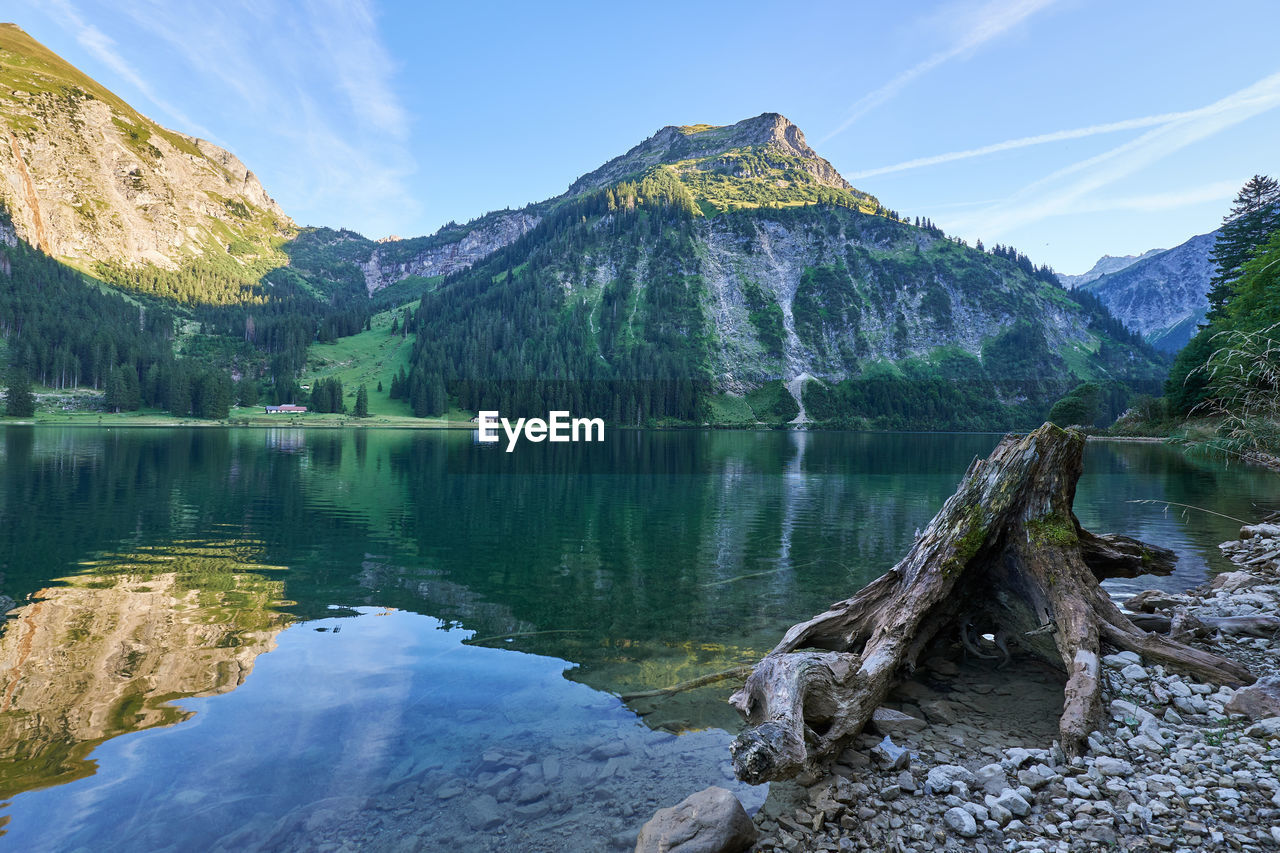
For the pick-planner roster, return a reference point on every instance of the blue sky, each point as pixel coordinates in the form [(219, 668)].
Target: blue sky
[(1067, 128)]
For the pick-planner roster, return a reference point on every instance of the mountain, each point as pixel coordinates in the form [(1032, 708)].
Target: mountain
[(89, 180), (1161, 296), (722, 274), (1106, 264), (730, 274), (760, 160), (145, 263)]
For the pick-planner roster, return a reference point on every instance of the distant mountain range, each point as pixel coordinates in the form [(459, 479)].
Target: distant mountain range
[(723, 274), (1161, 295), (1106, 264)]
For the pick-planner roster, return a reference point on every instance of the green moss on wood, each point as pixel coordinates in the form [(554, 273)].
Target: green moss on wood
[(1052, 530)]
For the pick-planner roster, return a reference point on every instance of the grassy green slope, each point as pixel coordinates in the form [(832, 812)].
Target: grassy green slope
[(367, 358)]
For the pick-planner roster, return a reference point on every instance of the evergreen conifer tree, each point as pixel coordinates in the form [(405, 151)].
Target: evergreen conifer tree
[(1253, 216), (362, 402), (19, 401)]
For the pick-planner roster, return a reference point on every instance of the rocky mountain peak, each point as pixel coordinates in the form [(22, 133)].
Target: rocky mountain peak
[(90, 180), (770, 134)]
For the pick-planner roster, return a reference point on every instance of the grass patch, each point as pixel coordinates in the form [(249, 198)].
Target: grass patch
[(367, 358), (773, 403), (727, 409)]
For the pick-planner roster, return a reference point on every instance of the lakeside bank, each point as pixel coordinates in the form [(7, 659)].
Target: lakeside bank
[(969, 761)]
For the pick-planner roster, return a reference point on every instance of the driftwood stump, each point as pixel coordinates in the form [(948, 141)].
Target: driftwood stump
[(1006, 558)]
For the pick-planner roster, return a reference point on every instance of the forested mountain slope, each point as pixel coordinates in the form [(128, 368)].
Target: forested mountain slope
[(708, 275), (691, 272)]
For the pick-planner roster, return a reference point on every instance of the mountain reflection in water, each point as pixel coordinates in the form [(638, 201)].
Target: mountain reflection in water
[(109, 653)]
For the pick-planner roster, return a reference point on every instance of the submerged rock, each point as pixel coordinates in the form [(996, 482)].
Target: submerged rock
[(710, 821)]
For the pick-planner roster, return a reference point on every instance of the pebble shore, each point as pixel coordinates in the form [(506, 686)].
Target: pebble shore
[(963, 757)]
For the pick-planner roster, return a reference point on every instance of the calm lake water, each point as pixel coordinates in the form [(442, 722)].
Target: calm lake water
[(286, 639)]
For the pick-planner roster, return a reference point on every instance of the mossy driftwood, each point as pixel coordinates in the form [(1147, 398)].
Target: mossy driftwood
[(1005, 558)]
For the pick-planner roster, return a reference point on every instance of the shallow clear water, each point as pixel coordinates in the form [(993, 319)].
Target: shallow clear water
[(280, 639)]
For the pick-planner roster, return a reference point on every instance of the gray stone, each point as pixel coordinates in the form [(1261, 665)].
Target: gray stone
[(449, 789), (1075, 789), (710, 821), (483, 812), (1035, 777), (1014, 802), (1268, 728), (890, 755), (1113, 766), (1134, 673), (961, 822), (942, 777), (1019, 756), (609, 749), (991, 779), (941, 711), (1120, 660), (531, 791), (999, 813), (1257, 701), (1100, 834), (889, 722)]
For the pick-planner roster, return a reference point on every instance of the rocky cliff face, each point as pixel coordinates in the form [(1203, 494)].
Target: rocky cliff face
[(856, 292), (88, 179), (446, 252), (1163, 296), (767, 149), (770, 134)]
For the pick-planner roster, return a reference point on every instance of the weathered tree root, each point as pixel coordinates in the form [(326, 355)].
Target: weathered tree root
[(1005, 554)]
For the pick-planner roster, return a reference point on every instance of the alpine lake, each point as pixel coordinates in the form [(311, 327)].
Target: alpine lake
[(287, 639)]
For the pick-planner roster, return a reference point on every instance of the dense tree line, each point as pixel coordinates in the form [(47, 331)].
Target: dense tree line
[(507, 335), (327, 396), (1253, 218), (65, 330), (19, 401), (1244, 295)]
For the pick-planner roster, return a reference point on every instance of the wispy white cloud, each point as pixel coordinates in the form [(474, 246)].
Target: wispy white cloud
[(347, 36), (1067, 190), (1024, 142), (104, 48), (977, 28), (1218, 191)]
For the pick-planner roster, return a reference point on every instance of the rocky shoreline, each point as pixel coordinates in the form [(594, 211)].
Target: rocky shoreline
[(963, 757)]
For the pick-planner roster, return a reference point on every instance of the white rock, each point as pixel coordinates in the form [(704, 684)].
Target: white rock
[(942, 777), (991, 779), (1121, 659), (961, 822), (1134, 673), (1113, 767), (1014, 802)]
